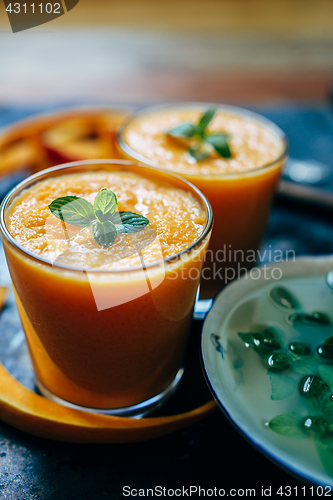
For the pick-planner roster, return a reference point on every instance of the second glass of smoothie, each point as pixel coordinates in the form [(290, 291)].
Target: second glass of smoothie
[(106, 327), (240, 188)]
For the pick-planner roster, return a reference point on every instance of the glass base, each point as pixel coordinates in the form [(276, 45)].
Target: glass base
[(201, 306), (136, 411)]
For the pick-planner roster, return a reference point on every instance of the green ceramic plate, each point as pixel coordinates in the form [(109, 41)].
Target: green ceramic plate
[(267, 348)]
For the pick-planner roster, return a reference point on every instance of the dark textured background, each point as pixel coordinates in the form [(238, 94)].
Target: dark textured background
[(208, 454)]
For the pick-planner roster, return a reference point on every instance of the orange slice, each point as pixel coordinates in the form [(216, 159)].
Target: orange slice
[(36, 415), (49, 139)]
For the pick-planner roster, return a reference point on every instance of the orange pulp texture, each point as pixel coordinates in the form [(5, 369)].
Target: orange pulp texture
[(112, 338)]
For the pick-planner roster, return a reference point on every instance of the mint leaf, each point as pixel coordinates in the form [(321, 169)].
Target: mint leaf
[(220, 143), (324, 447), (185, 130), (104, 233), (316, 318), (199, 153), (278, 362), (282, 386), (73, 210), (284, 298), (289, 424), (305, 366), (60, 202), (327, 347), (205, 119), (312, 386), (105, 204), (264, 344), (204, 143), (103, 218), (129, 222), (322, 405), (326, 373)]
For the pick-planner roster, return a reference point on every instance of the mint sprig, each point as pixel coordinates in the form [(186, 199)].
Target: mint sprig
[(183, 130), (130, 222), (105, 205), (74, 210), (202, 142), (102, 217), (104, 233)]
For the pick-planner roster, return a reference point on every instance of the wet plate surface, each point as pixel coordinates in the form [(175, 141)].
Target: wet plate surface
[(268, 357)]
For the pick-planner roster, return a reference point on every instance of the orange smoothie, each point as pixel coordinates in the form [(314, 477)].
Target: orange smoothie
[(239, 188), (106, 327)]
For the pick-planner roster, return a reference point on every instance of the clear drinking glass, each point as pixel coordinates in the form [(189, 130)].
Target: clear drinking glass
[(110, 341), (240, 201)]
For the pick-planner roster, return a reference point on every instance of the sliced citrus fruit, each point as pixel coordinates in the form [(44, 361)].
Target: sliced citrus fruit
[(38, 416)]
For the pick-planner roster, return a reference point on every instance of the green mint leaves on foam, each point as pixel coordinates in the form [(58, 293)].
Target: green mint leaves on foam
[(205, 119), (102, 217), (105, 205), (104, 233), (73, 210), (129, 222), (203, 143)]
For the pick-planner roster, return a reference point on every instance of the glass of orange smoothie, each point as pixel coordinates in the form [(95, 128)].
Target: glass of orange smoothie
[(106, 320), (239, 185)]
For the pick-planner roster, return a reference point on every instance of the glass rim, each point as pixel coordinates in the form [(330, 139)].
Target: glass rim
[(39, 176), (233, 110)]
